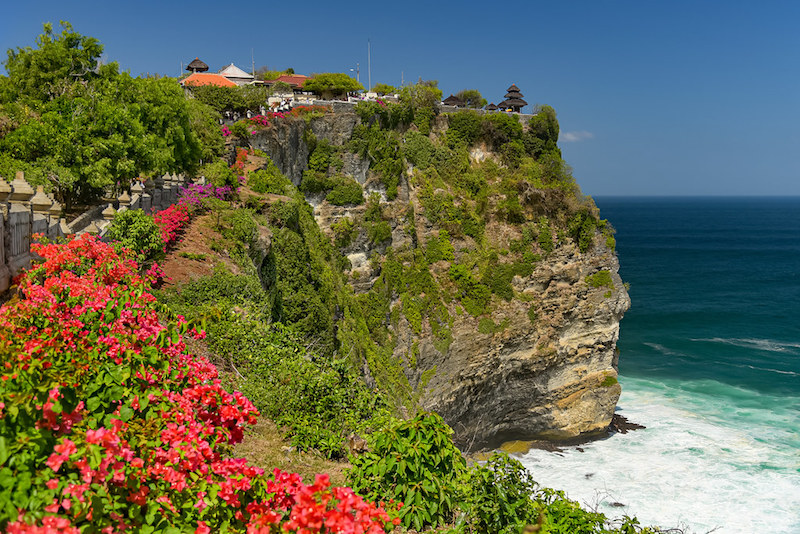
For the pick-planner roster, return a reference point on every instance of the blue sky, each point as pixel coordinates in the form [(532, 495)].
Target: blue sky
[(653, 98)]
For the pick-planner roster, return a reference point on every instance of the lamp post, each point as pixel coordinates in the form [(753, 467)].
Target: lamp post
[(357, 70)]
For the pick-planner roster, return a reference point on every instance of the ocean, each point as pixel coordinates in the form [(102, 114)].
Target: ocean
[(709, 363)]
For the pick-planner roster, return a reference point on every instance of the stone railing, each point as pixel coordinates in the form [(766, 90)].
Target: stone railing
[(26, 211)]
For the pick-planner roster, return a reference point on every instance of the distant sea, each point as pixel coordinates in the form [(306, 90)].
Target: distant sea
[(709, 363)]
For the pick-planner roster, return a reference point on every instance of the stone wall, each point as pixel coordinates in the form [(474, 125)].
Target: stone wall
[(27, 210)]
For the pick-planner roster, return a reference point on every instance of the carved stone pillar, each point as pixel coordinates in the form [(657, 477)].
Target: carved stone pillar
[(136, 195), (92, 228), (109, 212), (54, 229), (124, 200), (5, 191), (18, 246), (5, 276), (40, 205)]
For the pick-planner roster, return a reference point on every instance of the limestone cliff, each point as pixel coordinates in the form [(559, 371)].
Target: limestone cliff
[(537, 360)]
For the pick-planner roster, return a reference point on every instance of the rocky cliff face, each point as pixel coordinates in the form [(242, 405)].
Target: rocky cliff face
[(551, 378), (543, 366), (287, 142)]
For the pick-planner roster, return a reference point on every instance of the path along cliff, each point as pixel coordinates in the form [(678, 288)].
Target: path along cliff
[(483, 271)]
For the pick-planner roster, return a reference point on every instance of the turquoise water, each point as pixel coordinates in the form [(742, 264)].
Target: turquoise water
[(709, 362)]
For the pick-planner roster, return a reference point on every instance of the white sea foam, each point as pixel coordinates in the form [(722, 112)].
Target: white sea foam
[(752, 343), (664, 350), (704, 461)]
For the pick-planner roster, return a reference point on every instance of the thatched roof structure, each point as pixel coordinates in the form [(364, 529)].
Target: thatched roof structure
[(197, 66), (491, 107), (453, 101)]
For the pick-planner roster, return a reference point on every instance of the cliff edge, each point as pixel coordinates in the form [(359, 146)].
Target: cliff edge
[(488, 280)]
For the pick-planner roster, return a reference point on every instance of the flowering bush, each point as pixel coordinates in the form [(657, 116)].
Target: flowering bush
[(195, 197), (241, 159), (108, 424), (171, 221), (251, 125)]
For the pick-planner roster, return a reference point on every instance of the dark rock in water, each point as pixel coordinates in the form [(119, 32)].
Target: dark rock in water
[(588, 475), (579, 449), (617, 505), (620, 424)]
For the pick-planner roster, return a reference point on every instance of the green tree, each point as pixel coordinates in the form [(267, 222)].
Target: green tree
[(80, 126), (472, 98), (423, 94), (543, 130), (49, 70), (281, 88), (384, 89), (332, 84), (221, 99), (423, 98)]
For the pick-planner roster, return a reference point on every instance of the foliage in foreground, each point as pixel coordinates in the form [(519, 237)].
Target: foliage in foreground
[(415, 462), (110, 424)]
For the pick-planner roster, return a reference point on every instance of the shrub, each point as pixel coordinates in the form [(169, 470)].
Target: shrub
[(318, 401), (512, 153), (344, 232), (416, 463), (241, 129), (320, 159), (196, 197), (582, 227), (464, 128), (347, 191), (220, 174), (498, 129), (609, 381), (475, 296), (268, 180), (314, 182), (545, 236), (419, 150), (383, 150), (439, 248), (138, 232), (241, 226), (499, 496), (379, 232), (600, 279)]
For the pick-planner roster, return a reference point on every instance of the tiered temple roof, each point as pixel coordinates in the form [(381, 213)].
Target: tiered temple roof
[(513, 100)]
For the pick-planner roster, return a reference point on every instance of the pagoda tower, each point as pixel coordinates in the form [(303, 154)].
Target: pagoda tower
[(514, 100)]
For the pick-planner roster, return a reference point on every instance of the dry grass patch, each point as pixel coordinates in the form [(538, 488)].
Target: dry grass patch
[(264, 446)]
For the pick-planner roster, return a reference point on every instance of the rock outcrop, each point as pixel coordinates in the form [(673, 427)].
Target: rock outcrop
[(548, 368), (553, 378)]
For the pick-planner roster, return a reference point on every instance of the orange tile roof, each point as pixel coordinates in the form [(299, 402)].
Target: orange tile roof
[(207, 78), (292, 79)]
